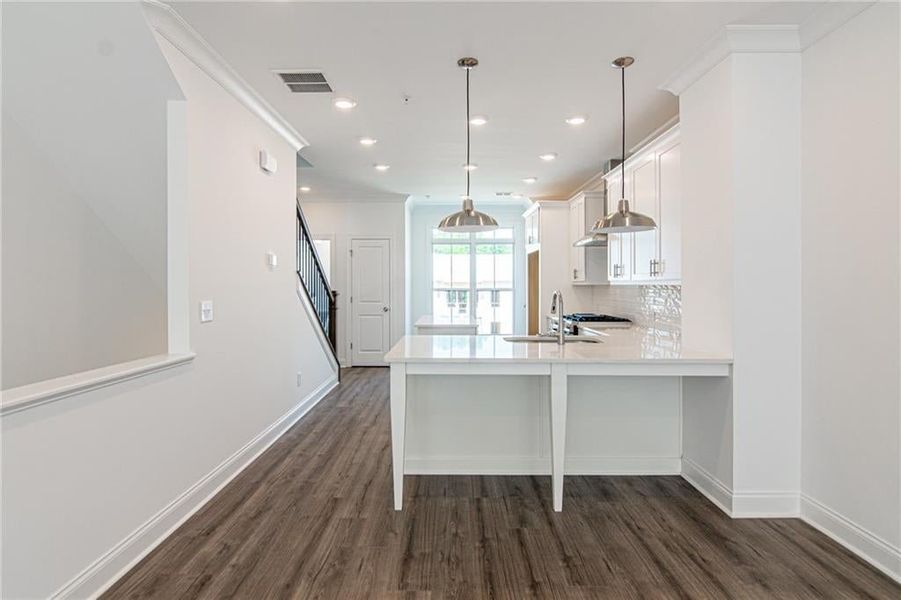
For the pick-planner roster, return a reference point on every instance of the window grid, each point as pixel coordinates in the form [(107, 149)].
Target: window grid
[(470, 287)]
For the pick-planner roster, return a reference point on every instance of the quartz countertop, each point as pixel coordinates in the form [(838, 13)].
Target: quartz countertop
[(444, 322), (640, 345)]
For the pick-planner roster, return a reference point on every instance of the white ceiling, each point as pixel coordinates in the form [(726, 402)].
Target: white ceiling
[(539, 63)]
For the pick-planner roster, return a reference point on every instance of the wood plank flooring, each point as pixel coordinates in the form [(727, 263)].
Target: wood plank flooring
[(313, 518)]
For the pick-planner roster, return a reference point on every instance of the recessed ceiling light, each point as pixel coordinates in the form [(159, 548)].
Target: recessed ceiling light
[(381, 167), (576, 119), (345, 103), (478, 120), (470, 167), (304, 188), (530, 180), (368, 141), (548, 156)]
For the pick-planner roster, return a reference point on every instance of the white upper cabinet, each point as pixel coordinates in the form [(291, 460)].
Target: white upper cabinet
[(654, 188), (532, 226), (644, 200), (587, 265), (669, 172), (619, 245), (576, 231)]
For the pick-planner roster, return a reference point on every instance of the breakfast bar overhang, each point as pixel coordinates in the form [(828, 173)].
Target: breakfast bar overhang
[(634, 353)]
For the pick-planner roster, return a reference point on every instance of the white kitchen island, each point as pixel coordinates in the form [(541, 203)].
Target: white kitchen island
[(454, 361)]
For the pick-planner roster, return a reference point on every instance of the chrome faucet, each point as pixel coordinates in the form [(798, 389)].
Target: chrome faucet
[(557, 309)]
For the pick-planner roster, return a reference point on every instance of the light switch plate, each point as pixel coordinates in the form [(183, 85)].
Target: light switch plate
[(272, 259), (206, 311)]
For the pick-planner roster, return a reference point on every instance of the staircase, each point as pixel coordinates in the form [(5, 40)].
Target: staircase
[(312, 277)]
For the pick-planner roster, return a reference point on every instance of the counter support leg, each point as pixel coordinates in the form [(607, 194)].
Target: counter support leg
[(558, 431), (398, 429)]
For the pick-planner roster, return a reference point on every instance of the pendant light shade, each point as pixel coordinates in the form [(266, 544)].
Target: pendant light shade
[(468, 220), (623, 220)]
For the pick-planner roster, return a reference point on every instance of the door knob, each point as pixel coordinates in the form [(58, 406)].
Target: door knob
[(385, 309)]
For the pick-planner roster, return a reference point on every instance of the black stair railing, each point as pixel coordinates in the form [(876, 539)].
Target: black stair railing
[(312, 275)]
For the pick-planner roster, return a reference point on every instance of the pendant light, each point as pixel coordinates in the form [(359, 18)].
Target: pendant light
[(469, 219), (623, 220)]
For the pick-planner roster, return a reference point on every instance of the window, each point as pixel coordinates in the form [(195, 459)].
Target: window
[(472, 275), (324, 250)]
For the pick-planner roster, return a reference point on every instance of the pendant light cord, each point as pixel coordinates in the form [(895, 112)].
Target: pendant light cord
[(467, 132), (623, 163)]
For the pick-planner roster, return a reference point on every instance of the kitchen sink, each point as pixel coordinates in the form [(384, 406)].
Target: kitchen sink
[(552, 339)]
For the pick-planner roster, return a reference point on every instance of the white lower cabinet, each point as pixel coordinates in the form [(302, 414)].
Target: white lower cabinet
[(654, 188)]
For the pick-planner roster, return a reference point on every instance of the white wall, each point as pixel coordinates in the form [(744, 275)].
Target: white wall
[(361, 219), (84, 189), (741, 276), (82, 474), (766, 100), (850, 285), (424, 218), (705, 114)]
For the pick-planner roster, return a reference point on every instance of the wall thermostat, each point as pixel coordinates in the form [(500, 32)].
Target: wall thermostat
[(268, 162)]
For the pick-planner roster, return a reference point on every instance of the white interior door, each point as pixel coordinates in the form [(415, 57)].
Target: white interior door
[(370, 301)]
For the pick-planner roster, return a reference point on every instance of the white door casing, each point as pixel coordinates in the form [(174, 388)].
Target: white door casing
[(370, 301)]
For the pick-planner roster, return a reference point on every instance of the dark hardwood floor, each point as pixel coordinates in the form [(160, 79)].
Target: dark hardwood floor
[(312, 518)]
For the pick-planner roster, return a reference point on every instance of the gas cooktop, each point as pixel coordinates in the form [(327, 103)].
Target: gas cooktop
[(594, 318)]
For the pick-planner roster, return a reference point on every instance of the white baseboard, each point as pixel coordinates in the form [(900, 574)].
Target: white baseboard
[(536, 465), (715, 490), (111, 566), (765, 505), (870, 547), (878, 552), (740, 505)]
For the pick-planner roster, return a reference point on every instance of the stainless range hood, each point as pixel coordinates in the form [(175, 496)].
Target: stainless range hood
[(592, 240)]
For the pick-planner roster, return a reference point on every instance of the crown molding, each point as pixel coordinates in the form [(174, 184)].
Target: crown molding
[(764, 38), (828, 18), (733, 39), (352, 198), (170, 25)]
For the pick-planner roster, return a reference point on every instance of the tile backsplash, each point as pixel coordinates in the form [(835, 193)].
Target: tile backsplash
[(655, 306)]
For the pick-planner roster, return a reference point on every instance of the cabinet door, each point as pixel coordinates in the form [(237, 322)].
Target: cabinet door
[(532, 229), (670, 230), (644, 200), (576, 231), (616, 263)]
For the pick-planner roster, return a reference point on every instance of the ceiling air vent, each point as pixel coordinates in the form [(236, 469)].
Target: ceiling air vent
[(305, 82)]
